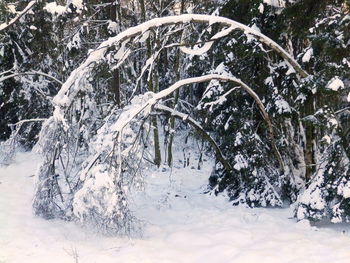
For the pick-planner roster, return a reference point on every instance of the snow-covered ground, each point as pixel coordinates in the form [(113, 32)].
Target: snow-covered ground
[(181, 225)]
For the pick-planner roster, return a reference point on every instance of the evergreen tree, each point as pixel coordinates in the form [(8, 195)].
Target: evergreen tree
[(280, 132)]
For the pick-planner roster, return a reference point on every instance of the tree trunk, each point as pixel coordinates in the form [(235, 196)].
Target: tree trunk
[(115, 83), (154, 88), (176, 100), (310, 139)]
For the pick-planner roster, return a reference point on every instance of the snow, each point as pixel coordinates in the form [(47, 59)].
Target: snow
[(181, 225), (97, 193), (327, 139), (333, 122), (282, 106), (275, 3), (196, 51), (238, 139), (241, 162), (346, 191), (261, 8), (54, 8), (78, 3), (12, 8), (290, 70), (112, 26), (223, 33), (256, 28), (335, 84), (307, 56), (75, 42), (269, 81), (144, 37), (74, 83)]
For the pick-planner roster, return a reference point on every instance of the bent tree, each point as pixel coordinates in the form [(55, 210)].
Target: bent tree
[(94, 150)]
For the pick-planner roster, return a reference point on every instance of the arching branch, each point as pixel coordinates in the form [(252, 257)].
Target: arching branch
[(16, 74), (148, 105), (17, 126), (72, 86)]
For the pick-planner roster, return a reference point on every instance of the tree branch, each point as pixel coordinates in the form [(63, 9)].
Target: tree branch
[(18, 16), (18, 125), (166, 92), (65, 96), (30, 73)]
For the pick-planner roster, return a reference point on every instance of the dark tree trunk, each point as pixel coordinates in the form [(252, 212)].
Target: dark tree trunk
[(115, 83)]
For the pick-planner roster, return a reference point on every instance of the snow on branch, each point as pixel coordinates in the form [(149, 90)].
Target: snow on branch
[(15, 127), (3, 78), (8, 147), (196, 52), (4, 26), (155, 98), (75, 82)]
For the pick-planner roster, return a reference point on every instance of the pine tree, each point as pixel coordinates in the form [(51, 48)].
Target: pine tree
[(326, 196)]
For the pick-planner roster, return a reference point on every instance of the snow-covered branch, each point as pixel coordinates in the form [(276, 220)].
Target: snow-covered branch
[(17, 74), (29, 73), (28, 120), (73, 84), (149, 104), (4, 26), (17, 126)]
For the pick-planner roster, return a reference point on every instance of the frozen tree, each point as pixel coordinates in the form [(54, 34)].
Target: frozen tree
[(291, 102), (41, 44), (90, 149), (146, 67), (326, 195)]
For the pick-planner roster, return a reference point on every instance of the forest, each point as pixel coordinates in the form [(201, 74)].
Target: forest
[(105, 91)]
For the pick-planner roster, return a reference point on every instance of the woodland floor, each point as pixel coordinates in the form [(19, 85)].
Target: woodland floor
[(180, 225)]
